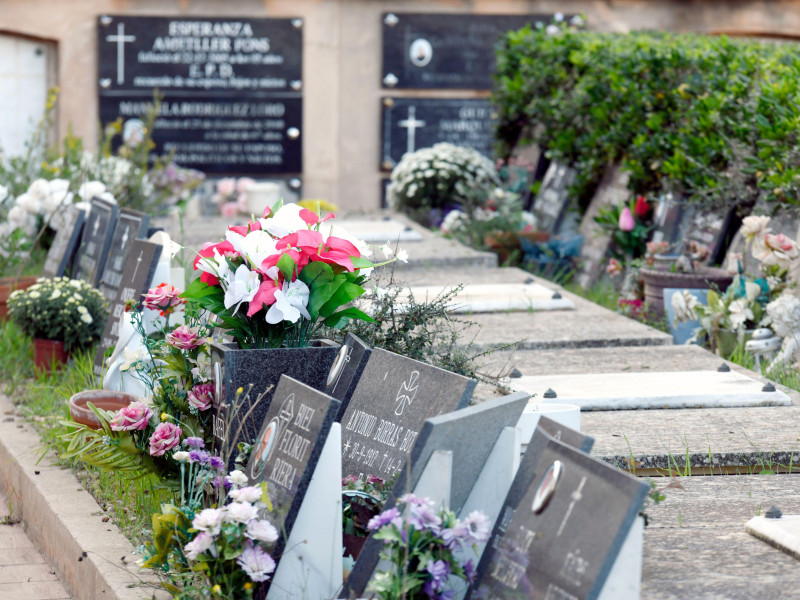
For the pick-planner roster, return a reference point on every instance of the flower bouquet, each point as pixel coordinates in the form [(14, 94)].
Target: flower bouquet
[(277, 280), (363, 497), (425, 548)]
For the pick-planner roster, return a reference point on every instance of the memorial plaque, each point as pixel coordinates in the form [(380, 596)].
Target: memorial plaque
[(61, 254), (409, 124), (552, 202), (445, 50), (561, 528), (130, 226), (95, 242), (346, 370), (231, 88), (714, 229), (221, 135), (137, 277), (392, 401), (257, 372), (669, 222), (567, 435), (454, 432), (288, 447)]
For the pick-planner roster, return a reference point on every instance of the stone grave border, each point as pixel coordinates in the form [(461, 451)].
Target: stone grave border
[(64, 521)]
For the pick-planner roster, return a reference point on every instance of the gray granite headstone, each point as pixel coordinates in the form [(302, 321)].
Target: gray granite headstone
[(96, 240), (130, 226), (552, 202), (712, 229), (346, 370), (62, 252), (137, 277), (392, 401), (287, 449), (470, 434), (257, 372), (561, 544), (668, 220)]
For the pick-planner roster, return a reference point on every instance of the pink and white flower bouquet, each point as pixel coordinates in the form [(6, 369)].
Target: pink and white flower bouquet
[(276, 280)]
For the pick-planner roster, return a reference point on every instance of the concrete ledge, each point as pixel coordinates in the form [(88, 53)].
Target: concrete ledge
[(65, 522)]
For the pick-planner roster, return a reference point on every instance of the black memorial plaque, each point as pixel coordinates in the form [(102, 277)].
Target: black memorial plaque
[(346, 370), (257, 372), (409, 124), (561, 527), (567, 435), (444, 50), (62, 252), (221, 135), (288, 447), (552, 202), (713, 229), (231, 88), (130, 226), (394, 397), (96, 240), (137, 277)]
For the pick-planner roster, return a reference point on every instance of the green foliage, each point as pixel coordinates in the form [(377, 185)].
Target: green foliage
[(710, 118), (61, 309)]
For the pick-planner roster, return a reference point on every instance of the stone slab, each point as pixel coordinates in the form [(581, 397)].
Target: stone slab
[(695, 545), (783, 533), (652, 390), (500, 297), (380, 230)]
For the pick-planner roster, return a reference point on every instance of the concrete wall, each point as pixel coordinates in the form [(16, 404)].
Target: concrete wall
[(342, 60)]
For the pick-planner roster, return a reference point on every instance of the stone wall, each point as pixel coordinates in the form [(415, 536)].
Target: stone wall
[(342, 60)]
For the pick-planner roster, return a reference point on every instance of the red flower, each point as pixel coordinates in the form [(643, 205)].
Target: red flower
[(642, 208), (301, 259), (265, 296), (338, 251)]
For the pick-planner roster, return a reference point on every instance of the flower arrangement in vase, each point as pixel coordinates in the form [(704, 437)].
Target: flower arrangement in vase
[(426, 549), (277, 280), (62, 315)]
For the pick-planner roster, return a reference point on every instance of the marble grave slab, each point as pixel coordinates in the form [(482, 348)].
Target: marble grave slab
[(498, 297), (378, 231)]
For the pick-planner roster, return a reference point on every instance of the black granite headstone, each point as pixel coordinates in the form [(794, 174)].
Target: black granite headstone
[(287, 449), (95, 242), (62, 252), (714, 229), (552, 202), (445, 50), (231, 88), (669, 221), (392, 401), (257, 372), (346, 370), (409, 124), (470, 434), (130, 226), (562, 525), (137, 277)]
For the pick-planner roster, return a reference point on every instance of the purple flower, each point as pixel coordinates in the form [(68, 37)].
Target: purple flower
[(350, 479), (199, 456), (388, 516), (422, 517), (374, 479), (194, 442), (256, 563), (218, 481), (410, 499), (469, 571), (439, 571), (215, 462), (477, 526)]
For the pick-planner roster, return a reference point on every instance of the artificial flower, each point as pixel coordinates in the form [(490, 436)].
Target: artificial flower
[(184, 338), (201, 542), (165, 437), (262, 531), (256, 563), (290, 303), (208, 520), (242, 286), (133, 417), (626, 222), (162, 297), (201, 396)]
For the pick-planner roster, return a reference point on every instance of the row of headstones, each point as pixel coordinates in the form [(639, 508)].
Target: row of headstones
[(561, 517), (106, 249), (675, 222)]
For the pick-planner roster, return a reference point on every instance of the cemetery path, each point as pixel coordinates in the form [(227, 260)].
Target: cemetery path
[(24, 572)]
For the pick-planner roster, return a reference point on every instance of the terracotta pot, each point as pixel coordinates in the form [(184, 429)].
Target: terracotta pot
[(503, 243), (8, 285), (656, 281), (49, 354), (105, 399)]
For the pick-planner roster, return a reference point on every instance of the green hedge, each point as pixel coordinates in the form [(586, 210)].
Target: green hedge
[(712, 118)]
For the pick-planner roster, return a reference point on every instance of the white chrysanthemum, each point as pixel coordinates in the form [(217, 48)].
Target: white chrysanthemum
[(753, 225), (783, 315)]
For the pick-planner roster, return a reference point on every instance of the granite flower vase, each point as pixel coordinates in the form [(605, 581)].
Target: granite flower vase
[(49, 355)]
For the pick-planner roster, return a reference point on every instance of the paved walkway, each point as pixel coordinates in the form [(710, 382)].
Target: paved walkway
[(24, 573)]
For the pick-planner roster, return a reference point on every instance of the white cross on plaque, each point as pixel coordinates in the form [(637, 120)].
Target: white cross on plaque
[(125, 236), (411, 124), (120, 40), (138, 262)]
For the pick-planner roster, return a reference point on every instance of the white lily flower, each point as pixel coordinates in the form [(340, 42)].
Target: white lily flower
[(242, 287), (215, 265), (284, 222), (256, 246), (290, 303), (386, 250)]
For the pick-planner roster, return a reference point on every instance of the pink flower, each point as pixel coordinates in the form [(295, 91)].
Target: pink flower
[(310, 217), (226, 187), (201, 396), (135, 416), (779, 242), (243, 184), (229, 209), (165, 437), (162, 297), (614, 267), (184, 338), (626, 222)]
